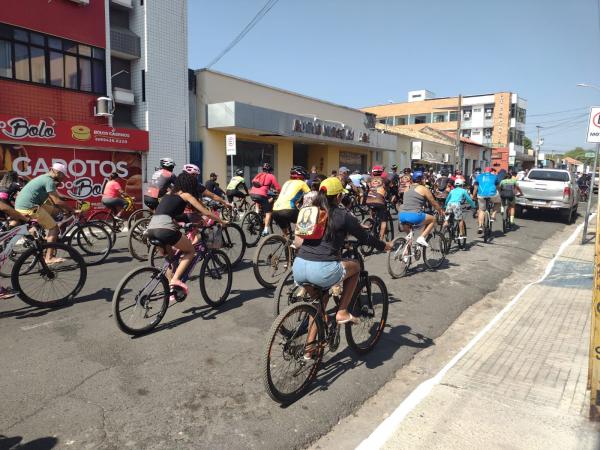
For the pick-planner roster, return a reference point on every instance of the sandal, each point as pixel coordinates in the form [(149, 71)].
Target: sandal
[(352, 319)]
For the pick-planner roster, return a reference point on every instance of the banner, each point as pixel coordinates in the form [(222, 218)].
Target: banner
[(87, 170), (47, 131)]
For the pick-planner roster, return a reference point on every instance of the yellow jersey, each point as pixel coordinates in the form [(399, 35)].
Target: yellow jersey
[(291, 193)]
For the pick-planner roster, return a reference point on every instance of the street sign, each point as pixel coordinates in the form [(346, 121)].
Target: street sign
[(590, 154), (593, 134), (230, 145)]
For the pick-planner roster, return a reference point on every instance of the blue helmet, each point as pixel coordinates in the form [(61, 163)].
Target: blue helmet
[(417, 176)]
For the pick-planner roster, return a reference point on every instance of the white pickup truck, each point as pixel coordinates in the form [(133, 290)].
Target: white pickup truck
[(550, 189)]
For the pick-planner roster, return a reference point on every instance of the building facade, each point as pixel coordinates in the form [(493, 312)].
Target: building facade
[(493, 120), (279, 127), (58, 83)]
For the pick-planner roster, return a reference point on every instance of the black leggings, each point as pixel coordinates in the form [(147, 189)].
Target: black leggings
[(164, 235)]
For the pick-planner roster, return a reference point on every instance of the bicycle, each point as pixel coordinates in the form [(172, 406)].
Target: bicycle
[(137, 241), (253, 224), (142, 297), (36, 282), (114, 223), (236, 213), (234, 240), (287, 372), (487, 220), (504, 207), (451, 233), (373, 225), (405, 250), (274, 256)]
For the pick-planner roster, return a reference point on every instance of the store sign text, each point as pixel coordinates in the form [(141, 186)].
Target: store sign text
[(321, 129), (20, 128)]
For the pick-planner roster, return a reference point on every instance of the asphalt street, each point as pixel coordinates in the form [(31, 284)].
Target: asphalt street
[(71, 379)]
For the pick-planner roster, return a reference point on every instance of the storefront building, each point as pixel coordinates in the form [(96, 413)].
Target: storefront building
[(279, 127)]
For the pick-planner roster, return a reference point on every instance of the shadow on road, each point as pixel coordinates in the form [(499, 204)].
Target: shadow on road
[(44, 443)]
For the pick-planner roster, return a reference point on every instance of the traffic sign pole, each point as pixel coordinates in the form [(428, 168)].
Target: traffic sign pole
[(593, 135)]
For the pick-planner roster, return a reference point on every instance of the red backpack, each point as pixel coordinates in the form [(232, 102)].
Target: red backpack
[(259, 180), (311, 222)]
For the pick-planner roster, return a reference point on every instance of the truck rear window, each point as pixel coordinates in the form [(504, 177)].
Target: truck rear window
[(547, 175)]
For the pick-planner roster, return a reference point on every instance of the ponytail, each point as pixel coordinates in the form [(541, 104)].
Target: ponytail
[(330, 204)]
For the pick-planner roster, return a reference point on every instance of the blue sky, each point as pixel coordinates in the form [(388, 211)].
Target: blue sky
[(366, 52)]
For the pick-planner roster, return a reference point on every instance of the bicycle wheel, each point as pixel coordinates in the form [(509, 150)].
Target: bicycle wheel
[(369, 225), (286, 373), (487, 227), (136, 215), (447, 233), (399, 258), (13, 256), (92, 241), (389, 231), (462, 243), (105, 219), (272, 259), (252, 226), (42, 285), (363, 336), (155, 257), (215, 278), (234, 243), (435, 254), (140, 300), (137, 240), (287, 293)]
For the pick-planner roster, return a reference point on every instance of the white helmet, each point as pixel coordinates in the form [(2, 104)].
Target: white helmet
[(167, 163), (192, 169), (459, 182)]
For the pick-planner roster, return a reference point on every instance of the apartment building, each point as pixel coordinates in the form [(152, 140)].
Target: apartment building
[(495, 120), (100, 85)]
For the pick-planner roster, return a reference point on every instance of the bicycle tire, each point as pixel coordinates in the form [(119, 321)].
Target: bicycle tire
[(287, 293), (447, 234), (23, 282), (389, 231), (487, 227), (18, 249), (252, 226), (234, 243), (137, 242), (292, 352), (221, 266), (436, 248), (398, 265), (137, 215), (105, 218), (162, 300), (270, 267), (155, 259), (462, 243), (369, 323), (83, 243), (364, 248)]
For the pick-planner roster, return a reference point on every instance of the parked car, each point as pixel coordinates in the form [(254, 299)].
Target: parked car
[(550, 189)]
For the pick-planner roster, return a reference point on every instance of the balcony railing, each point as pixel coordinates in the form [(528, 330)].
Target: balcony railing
[(124, 43)]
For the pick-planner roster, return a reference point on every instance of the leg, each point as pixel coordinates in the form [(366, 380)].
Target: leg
[(352, 269), (428, 224), (52, 237), (187, 250)]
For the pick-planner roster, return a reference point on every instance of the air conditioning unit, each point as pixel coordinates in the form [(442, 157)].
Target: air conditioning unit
[(81, 2), (104, 107), (446, 157)]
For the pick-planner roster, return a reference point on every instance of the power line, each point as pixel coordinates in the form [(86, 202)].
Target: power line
[(576, 116), (558, 112), (259, 15)]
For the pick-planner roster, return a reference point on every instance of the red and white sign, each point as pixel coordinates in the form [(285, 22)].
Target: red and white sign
[(47, 131), (593, 134)]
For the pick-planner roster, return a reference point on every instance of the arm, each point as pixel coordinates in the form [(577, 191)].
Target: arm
[(353, 227), (475, 188), (215, 197), (427, 194), (245, 188), (12, 213), (469, 200), (200, 207), (57, 199), (275, 184)]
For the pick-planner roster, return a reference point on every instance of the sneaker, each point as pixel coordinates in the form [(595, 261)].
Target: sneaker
[(421, 241), (265, 232), (6, 293), (479, 230)]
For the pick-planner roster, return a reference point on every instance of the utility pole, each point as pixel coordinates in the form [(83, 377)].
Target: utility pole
[(536, 153), (459, 156)]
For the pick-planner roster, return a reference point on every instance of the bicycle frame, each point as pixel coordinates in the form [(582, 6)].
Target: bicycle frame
[(12, 236)]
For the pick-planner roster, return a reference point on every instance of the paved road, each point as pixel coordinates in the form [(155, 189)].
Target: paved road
[(70, 377)]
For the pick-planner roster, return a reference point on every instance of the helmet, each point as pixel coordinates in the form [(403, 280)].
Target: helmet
[(167, 163), (445, 172), (239, 172), (459, 182), (377, 170), (192, 169), (267, 167), (394, 167), (298, 173), (417, 176)]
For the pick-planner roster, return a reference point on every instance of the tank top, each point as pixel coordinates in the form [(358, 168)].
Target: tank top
[(171, 205), (413, 201)]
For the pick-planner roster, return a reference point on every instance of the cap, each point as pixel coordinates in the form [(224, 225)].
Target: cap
[(59, 167), (332, 186), (343, 169)]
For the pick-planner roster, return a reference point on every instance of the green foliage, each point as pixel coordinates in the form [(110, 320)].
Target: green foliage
[(527, 143), (578, 153)]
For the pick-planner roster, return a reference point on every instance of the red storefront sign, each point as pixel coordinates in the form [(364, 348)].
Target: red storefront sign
[(87, 170), (47, 131)]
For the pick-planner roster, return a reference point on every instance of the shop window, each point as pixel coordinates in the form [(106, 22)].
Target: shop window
[(355, 161), (250, 157)]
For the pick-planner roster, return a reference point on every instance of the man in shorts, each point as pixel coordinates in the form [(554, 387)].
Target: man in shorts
[(32, 203), (486, 188)]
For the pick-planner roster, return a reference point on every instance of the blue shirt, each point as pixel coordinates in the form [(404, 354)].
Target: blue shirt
[(457, 195), (487, 184)]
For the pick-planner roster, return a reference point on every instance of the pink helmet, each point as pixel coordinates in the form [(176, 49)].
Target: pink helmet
[(192, 169)]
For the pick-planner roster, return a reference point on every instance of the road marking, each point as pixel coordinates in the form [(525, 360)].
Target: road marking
[(43, 324), (384, 431)]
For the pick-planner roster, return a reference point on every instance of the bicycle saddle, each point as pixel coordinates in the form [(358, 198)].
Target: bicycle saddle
[(156, 242)]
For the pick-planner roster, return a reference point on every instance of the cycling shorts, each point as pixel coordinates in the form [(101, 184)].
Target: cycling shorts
[(285, 217), (114, 202), (168, 237), (380, 211), (263, 201), (234, 193), (150, 202), (414, 218)]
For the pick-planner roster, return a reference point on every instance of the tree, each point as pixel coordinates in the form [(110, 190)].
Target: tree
[(578, 153), (527, 143)]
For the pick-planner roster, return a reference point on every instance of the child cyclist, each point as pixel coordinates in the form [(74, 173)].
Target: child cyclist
[(454, 202)]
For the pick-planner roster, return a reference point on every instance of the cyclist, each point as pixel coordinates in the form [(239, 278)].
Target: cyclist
[(31, 202), (285, 210), (113, 196), (486, 188), (394, 184), (415, 200), (212, 185), (9, 187), (163, 227), (261, 184), (456, 197), (319, 260), (161, 181), (15, 217), (235, 185), (404, 183), (440, 186), (203, 191), (376, 195), (509, 189)]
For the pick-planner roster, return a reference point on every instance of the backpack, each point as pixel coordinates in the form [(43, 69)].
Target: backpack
[(442, 183), (259, 180), (377, 192), (507, 190), (311, 222)]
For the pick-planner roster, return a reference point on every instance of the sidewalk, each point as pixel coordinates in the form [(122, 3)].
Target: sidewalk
[(523, 384)]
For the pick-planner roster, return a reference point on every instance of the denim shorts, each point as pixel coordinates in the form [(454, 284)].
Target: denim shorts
[(415, 218), (320, 273)]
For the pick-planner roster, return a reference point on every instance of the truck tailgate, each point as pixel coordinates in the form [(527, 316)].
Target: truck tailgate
[(543, 190)]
